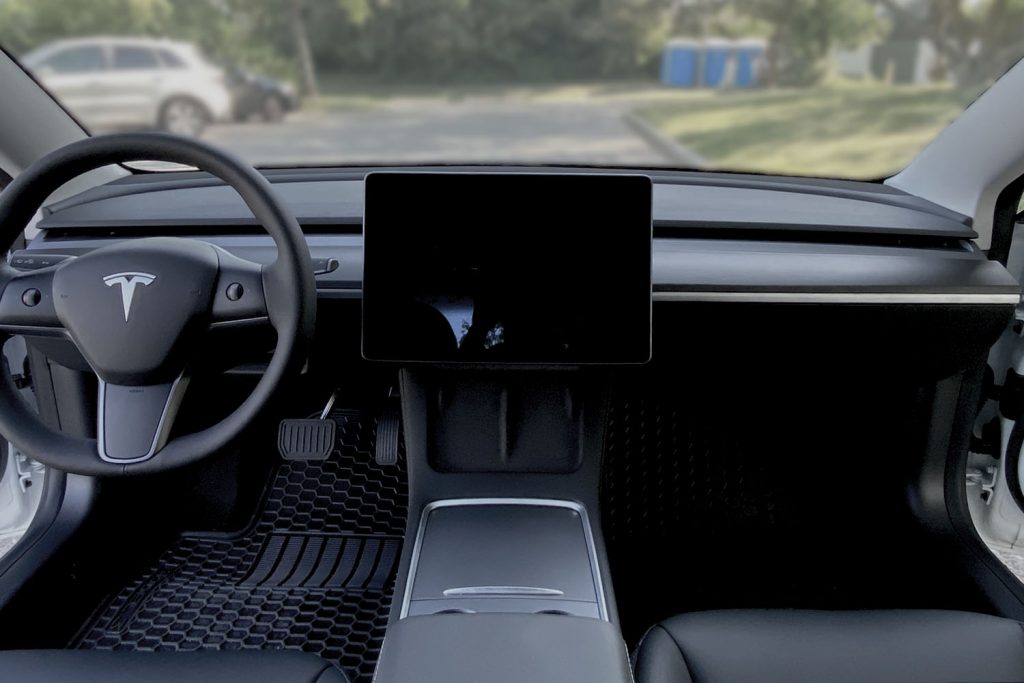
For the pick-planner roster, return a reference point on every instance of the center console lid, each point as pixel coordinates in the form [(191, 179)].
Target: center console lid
[(503, 648), (505, 555)]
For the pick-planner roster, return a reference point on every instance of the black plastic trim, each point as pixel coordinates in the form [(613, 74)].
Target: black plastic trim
[(940, 494), (1004, 220), (56, 102)]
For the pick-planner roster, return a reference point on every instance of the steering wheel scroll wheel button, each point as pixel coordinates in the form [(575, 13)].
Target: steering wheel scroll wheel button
[(240, 292), (26, 302), (31, 297)]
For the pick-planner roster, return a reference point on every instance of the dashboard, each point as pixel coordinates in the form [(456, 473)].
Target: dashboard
[(717, 237), (808, 246)]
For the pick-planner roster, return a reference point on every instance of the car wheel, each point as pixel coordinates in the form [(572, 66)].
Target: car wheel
[(184, 116), (273, 109)]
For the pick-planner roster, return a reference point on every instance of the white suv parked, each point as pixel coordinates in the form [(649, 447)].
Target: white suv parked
[(133, 82)]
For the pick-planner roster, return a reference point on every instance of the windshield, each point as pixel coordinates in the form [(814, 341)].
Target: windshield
[(836, 88)]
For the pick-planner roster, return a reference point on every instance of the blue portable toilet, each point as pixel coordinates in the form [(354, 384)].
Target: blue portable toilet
[(680, 63), (749, 55), (718, 54)]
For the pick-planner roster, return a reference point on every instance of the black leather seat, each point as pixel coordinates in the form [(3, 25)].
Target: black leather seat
[(767, 646), (46, 666)]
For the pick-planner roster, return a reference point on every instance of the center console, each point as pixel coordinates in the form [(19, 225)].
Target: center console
[(503, 648), (506, 298), (511, 555), (504, 590)]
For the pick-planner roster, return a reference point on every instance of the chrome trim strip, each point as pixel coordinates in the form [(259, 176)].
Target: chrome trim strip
[(809, 297), (500, 591), (588, 534), (1004, 299)]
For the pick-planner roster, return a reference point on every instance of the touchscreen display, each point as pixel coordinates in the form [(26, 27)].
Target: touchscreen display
[(507, 268)]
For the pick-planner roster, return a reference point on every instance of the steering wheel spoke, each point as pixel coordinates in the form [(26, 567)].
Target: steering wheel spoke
[(27, 303), (239, 297), (134, 422)]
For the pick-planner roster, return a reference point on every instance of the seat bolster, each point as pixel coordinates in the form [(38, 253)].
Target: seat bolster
[(660, 659), (798, 646)]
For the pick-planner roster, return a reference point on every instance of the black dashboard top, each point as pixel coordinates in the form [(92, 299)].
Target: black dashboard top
[(717, 237), (683, 201)]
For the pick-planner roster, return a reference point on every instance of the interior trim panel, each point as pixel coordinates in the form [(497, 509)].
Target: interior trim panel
[(885, 298), (704, 270)]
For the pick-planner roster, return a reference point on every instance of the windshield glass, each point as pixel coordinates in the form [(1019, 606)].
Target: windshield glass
[(840, 88)]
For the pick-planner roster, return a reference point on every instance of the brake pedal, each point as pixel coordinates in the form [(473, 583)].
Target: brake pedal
[(308, 439)]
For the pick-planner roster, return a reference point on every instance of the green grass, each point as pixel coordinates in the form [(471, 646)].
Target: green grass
[(846, 130)]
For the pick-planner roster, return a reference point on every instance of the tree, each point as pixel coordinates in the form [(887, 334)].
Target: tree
[(804, 33), (25, 24), (976, 42), (491, 40), (624, 35), (303, 50)]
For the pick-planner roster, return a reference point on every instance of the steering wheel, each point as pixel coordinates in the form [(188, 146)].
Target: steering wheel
[(137, 311)]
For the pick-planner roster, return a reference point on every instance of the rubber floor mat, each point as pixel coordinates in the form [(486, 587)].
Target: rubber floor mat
[(315, 572), (790, 495)]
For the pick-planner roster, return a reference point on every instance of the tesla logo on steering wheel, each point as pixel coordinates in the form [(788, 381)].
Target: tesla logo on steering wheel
[(127, 282)]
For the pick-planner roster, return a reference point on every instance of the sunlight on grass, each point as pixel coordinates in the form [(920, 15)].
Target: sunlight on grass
[(855, 131)]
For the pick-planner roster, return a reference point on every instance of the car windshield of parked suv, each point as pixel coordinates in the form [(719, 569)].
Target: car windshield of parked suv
[(839, 88)]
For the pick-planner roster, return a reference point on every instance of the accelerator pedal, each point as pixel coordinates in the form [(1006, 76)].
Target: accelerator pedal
[(388, 423)]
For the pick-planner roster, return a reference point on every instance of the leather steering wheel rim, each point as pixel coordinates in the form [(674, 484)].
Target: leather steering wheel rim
[(289, 292)]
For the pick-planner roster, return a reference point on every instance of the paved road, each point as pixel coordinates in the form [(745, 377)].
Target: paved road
[(476, 130)]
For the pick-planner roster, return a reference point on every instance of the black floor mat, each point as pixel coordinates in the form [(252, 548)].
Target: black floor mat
[(315, 572), (788, 495)]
